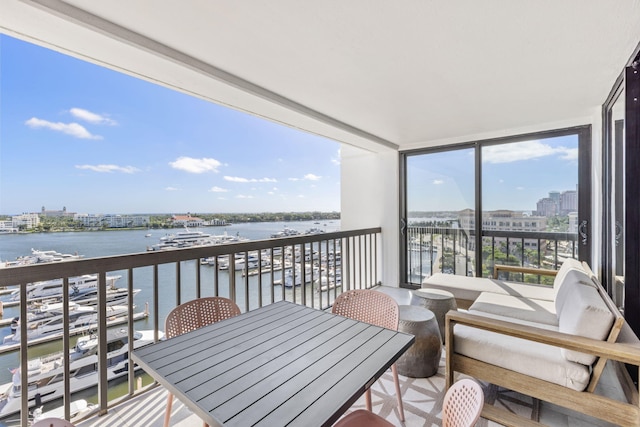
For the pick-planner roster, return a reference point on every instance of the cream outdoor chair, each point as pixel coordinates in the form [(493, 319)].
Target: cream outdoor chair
[(462, 404), (377, 309), (192, 315), (52, 422)]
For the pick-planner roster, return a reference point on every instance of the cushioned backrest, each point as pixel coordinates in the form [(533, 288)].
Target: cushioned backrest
[(571, 271), (585, 314)]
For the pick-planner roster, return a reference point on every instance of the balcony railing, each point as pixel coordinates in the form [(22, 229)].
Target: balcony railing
[(311, 270), (452, 250)]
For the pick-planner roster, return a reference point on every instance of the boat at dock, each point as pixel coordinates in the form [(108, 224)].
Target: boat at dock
[(188, 239), (47, 321), (38, 256), (45, 373), (48, 289)]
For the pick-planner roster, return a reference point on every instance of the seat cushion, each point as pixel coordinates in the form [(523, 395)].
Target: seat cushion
[(526, 357), (584, 314), (529, 309), (470, 288), (571, 271)]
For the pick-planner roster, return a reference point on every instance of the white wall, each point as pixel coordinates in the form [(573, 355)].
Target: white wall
[(369, 198)]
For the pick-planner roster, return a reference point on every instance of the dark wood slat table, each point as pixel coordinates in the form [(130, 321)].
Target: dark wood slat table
[(282, 364)]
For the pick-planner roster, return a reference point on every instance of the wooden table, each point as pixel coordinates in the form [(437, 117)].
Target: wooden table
[(282, 364)]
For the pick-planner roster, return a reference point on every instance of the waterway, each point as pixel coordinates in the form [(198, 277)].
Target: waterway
[(117, 242)]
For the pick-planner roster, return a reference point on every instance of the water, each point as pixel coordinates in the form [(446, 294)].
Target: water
[(117, 242)]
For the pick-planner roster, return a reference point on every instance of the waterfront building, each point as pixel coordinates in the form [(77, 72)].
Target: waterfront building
[(504, 220), (57, 214), (25, 220), (112, 220), (186, 221)]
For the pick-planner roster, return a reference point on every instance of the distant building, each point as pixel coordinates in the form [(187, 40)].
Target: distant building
[(568, 202), (6, 226), (26, 220), (112, 220), (558, 203), (547, 207), (186, 221), (57, 214), (504, 220)]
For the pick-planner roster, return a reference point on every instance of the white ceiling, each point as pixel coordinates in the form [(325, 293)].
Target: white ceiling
[(372, 73)]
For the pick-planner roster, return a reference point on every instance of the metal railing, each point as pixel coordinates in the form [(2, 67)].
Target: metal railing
[(311, 270), (432, 250)]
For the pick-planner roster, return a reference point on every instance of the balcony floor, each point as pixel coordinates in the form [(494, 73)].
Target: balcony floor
[(422, 399)]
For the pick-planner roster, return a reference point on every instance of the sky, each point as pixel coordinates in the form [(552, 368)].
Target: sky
[(80, 136), (514, 175)]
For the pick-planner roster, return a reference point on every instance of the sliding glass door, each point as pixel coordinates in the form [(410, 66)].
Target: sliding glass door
[(522, 200)]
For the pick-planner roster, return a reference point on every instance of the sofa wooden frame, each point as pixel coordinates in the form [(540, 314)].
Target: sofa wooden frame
[(621, 413)]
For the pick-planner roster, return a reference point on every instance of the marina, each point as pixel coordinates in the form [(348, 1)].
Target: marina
[(45, 372), (256, 274)]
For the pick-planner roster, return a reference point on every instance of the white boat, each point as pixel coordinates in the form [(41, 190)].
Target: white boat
[(77, 409), (53, 288), (187, 239), (90, 297), (46, 372), (48, 320), (38, 257), (286, 232), (311, 273), (182, 239)]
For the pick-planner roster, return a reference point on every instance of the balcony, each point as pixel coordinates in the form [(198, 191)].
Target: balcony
[(179, 275), (308, 269), (384, 81)]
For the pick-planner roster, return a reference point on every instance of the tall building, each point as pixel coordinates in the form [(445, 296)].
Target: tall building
[(547, 207), (568, 202)]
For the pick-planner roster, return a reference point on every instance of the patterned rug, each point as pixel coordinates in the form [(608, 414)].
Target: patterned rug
[(422, 400)]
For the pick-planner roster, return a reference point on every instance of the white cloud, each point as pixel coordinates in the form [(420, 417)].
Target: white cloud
[(192, 165), (171, 189), (519, 188), (242, 196), (239, 179), (336, 160), (438, 181), (109, 168), (301, 196), (73, 129), (528, 150), (218, 190), (307, 177), (90, 117)]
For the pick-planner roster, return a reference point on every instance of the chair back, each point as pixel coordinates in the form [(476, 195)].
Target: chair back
[(197, 313), (52, 422), (368, 306), (462, 404)]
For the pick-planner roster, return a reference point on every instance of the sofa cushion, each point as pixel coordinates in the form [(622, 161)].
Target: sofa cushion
[(529, 309), (470, 288), (584, 314), (526, 357), (571, 271)]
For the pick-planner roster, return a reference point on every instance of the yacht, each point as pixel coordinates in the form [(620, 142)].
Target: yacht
[(182, 239), (53, 288), (47, 320), (46, 373)]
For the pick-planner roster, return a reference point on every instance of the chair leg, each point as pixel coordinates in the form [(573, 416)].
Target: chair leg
[(167, 413), (367, 398), (394, 370)]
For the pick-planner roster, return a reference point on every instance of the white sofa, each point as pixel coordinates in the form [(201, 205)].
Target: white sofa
[(551, 343)]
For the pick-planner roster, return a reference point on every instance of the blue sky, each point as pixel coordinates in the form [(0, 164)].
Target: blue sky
[(96, 141), (514, 176)]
